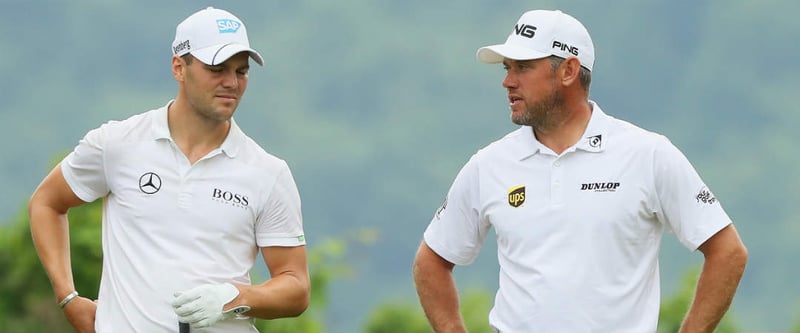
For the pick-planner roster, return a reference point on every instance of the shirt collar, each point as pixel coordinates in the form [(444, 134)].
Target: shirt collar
[(592, 140), (596, 131), (230, 146)]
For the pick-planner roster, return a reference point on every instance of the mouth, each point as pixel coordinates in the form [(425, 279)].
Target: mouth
[(228, 97), (512, 100)]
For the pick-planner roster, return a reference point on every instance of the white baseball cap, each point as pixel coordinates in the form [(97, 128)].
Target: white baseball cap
[(212, 36), (542, 33)]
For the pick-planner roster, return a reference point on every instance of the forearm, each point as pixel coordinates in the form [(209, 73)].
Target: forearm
[(715, 290), (437, 293), (47, 211), (286, 295), (50, 233)]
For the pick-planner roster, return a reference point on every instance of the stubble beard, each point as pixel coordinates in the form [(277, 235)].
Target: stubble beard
[(546, 114), (209, 112)]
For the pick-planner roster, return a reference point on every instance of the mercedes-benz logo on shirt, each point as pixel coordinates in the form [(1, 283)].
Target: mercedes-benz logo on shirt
[(149, 183)]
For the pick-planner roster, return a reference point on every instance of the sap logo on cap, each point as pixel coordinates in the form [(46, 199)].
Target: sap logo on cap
[(228, 26)]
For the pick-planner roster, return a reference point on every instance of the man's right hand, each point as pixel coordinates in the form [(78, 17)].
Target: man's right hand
[(80, 313)]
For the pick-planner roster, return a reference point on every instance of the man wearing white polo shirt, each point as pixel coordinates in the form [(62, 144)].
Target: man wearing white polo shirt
[(578, 200), (189, 201)]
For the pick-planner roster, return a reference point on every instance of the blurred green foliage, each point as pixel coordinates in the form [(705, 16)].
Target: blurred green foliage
[(27, 303), (674, 307)]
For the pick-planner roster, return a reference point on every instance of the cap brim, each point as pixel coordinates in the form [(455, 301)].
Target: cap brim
[(495, 54), (217, 54)]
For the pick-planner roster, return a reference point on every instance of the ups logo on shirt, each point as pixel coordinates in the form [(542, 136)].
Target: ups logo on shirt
[(516, 196)]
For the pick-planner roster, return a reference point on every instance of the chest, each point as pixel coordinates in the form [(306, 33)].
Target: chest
[(153, 187), (570, 197)]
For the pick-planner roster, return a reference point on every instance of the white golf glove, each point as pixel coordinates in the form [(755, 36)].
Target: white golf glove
[(202, 306)]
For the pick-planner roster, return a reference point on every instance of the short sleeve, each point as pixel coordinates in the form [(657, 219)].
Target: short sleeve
[(456, 232), (84, 167), (687, 205), (281, 223)]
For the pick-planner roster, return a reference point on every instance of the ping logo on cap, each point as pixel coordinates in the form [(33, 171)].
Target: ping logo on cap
[(516, 196), (228, 26), (564, 47), (525, 30)]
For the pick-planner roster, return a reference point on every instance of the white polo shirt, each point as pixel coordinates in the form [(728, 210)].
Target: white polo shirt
[(170, 226), (578, 235)]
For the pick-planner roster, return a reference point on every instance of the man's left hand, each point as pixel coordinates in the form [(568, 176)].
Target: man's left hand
[(202, 306)]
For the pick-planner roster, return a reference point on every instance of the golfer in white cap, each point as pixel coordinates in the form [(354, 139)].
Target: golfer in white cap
[(578, 200), (189, 201)]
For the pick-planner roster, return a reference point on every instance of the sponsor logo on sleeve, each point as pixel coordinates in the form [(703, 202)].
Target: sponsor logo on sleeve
[(705, 196), (441, 208)]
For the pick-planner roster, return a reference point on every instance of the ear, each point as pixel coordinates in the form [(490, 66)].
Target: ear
[(178, 67), (570, 70)]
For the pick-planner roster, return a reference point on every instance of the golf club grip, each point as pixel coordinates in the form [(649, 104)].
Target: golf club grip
[(183, 327)]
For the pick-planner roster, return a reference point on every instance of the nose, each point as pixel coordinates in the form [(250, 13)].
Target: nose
[(230, 80), (510, 81)]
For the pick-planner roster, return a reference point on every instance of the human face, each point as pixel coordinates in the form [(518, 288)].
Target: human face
[(214, 92), (533, 95)]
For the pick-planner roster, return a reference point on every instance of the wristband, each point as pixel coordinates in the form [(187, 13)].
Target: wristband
[(67, 299)]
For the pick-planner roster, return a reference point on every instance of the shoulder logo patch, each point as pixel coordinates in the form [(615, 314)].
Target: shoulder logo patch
[(516, 196), (705, 196), (441, 209)]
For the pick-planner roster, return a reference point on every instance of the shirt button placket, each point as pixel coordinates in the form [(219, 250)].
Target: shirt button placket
[(556, 186), (185, 194)]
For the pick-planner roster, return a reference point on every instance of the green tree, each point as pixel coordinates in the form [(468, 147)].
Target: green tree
[(27, 303), (326, 263), (399, 316), (674, 308), (475, 306), (393, 317), (796, 326)]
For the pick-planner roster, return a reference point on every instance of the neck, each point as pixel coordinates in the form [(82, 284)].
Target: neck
[(567, 131), (194, 134)]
